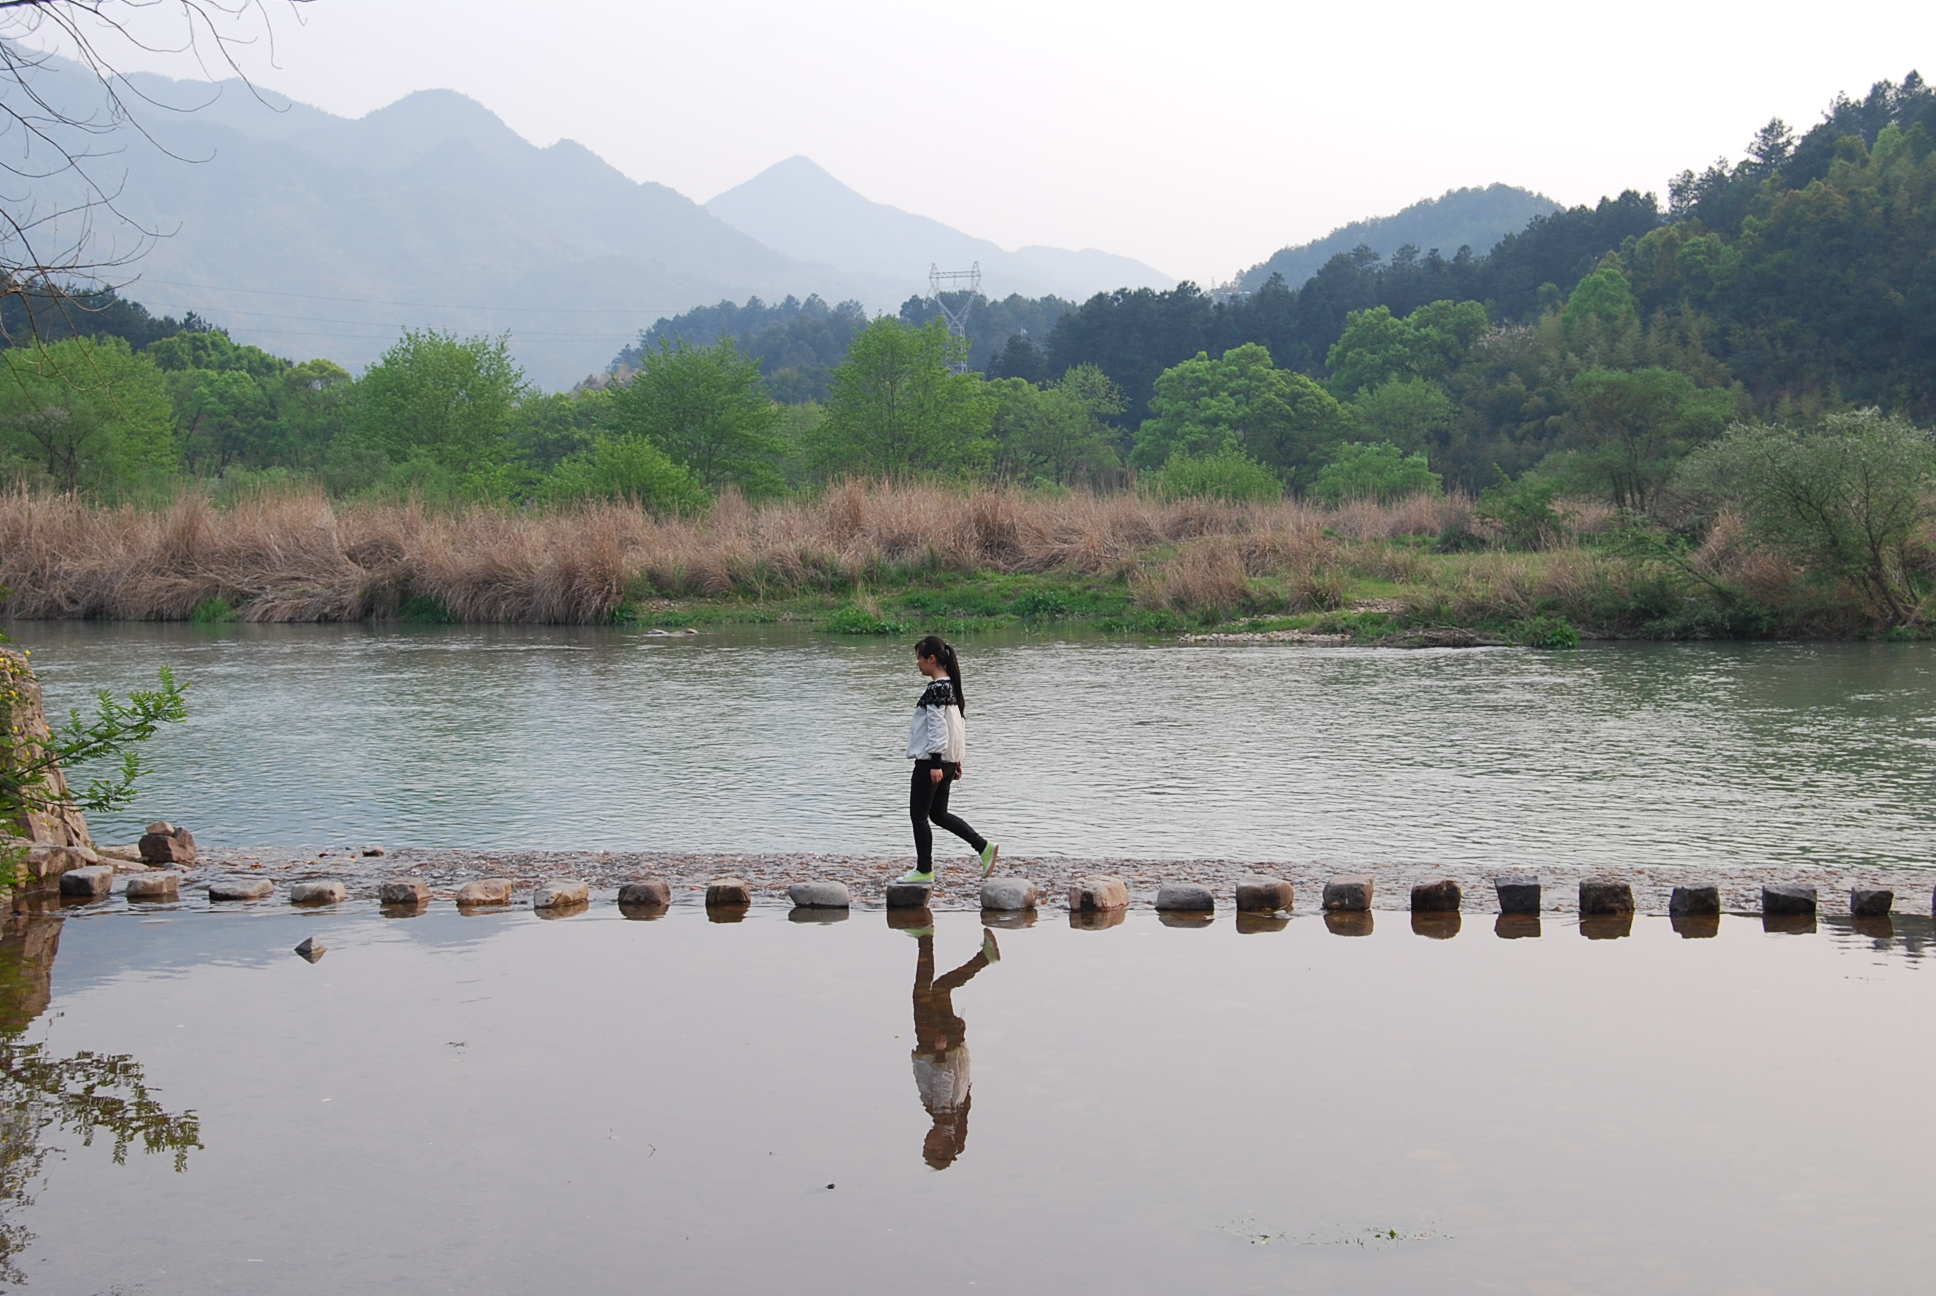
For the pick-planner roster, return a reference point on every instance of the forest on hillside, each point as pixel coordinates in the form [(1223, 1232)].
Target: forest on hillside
[(1586, 355)]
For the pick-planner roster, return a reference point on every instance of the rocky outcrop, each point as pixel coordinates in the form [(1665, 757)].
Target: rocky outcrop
[(50, 816)]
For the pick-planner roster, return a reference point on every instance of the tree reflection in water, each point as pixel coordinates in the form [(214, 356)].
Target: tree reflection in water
[(88, 1094)]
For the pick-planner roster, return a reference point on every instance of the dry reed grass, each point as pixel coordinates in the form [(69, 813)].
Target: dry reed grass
[(297, 556)]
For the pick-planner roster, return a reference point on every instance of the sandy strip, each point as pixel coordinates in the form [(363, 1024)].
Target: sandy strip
[(959, 885)]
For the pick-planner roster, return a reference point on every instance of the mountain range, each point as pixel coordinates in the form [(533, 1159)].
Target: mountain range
[(312, 234), (1474, 218)]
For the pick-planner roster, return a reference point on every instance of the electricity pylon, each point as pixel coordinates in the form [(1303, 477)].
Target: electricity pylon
[(961, 281)]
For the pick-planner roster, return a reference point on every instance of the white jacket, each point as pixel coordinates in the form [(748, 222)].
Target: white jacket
[(938, 728)]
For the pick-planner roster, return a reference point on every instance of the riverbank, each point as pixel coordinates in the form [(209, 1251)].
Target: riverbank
[(959, 887), (899, 559)]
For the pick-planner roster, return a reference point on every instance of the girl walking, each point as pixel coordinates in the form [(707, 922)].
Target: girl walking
[(937, 741)]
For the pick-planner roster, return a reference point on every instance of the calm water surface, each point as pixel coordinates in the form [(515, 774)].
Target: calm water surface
[(501, 1104), (782, 740)]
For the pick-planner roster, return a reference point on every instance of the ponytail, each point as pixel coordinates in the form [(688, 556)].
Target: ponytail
[(937, 647)]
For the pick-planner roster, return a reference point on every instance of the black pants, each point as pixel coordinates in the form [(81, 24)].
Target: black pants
[(928, 800)]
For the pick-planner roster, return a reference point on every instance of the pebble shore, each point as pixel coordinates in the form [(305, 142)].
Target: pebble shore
[(958, 884)]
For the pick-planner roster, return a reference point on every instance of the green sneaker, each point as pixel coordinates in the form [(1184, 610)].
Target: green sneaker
[(989, 853), (989, 950), (916, 875)]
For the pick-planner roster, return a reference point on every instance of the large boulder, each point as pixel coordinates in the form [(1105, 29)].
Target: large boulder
[(164, 843), (90, 883)]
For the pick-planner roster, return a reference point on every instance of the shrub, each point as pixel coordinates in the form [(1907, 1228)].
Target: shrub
[(213, 609), (1545, 632), (1231, 475), (1523, 512), (1379, 470), (853, 619), (1039, 603)]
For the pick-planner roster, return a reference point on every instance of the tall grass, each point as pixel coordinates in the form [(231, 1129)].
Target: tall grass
[(297, 556), (294, 555)]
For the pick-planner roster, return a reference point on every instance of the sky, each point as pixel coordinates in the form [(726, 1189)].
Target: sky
[(1198, 137)]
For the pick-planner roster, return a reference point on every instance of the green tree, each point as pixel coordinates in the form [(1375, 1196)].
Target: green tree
[(707, 407), (897, 407), (1409, 412), (626, 468), (1056, 434), (1852, 499), (1239, 403), (88, 412), (1634, 428), (223, 417), (444, 401), (1601, 305), (1379, 470), (1376, 347)]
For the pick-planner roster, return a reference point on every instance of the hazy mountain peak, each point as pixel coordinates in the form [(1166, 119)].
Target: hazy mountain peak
[(799, 208)]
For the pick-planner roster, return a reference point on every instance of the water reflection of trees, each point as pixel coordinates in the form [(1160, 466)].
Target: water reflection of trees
[(89, 1094)]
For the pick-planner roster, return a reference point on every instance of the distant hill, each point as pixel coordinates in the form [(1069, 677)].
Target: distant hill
[(797, 208), (1475, 218)]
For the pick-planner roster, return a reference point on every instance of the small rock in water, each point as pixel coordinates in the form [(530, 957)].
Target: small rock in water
[(1604, 897), (244, 888), (1518, 893), (328, 891), (312, 949), (1185, 897), (908, 895), (1101, 893), (1694, 901), (1008, 894), (1442, 896), (372, 852), (819, 895), (1264, 895), (649, 893), (1866, 903), (154, 886), (91, 882), (485, 891), (728, 893), (561, 895), (1788, 900), (1349, 893), (402, 891)]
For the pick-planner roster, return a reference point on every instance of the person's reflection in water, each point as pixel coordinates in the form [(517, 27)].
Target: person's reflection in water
[(941, 1046)]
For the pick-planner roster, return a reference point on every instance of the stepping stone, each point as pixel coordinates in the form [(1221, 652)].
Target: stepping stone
[(1348, 893), (1008, 894), (1518, 893), (1185, 897), (1606, 926), (728, 893), (1348, 922), (1697, 926), (1863, 903), (485, 891), (91, 882), (318, 893), (1264, 895), (561, 895), (1438, 897), (908, 895), (1102, 893), (311, 949), (1096, 919), (1516, 926), (1605, 897), (819, 895), (651, 891), (241, 889), (402, 891), (1788, 900), (154, 886), (1694, 902)]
